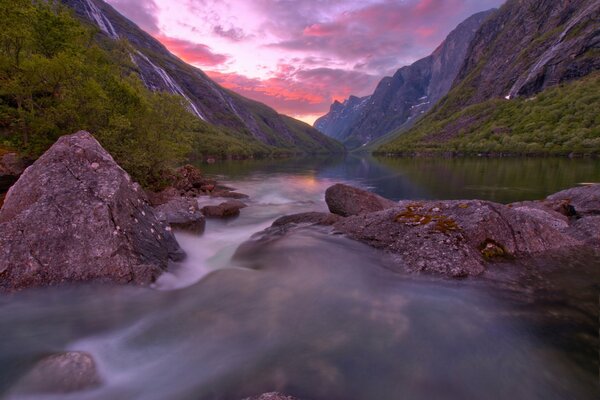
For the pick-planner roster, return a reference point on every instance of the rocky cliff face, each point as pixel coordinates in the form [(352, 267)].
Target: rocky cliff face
[(400, 99), (161, 70), (528, 46), (524, 48)]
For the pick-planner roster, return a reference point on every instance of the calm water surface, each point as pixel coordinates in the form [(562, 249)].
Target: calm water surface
[(319, 316)]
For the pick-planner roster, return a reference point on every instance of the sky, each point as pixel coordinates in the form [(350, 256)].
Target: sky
[(298, 56)]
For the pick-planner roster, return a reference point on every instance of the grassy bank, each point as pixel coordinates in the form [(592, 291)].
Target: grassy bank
[(559, 121)]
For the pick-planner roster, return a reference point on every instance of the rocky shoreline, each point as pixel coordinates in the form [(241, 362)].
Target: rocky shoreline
[(76, 216), (453, 238)]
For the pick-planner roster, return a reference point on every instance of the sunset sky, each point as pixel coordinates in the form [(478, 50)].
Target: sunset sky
[(299, 55)]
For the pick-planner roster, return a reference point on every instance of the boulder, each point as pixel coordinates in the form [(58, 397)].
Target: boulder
[(227, 209), (188, 178), (75, 215), (61, 373), (456, 238), (272, 396), (312, 218), (346, 200), (228, 194), (585, 200), (182, 213)]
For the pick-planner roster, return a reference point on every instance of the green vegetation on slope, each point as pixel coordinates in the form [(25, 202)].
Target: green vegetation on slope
[(55, 79), (559, 121)]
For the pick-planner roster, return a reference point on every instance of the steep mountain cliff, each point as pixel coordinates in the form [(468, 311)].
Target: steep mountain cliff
[(162, 71), (527, 47), (398, 100)]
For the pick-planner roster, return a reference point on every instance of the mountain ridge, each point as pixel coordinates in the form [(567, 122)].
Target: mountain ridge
[(402, 98), (161, 70), (527, 56)]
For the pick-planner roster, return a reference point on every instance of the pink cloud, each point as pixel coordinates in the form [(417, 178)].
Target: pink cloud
[(298, 91), (194, 53), (307, 52)]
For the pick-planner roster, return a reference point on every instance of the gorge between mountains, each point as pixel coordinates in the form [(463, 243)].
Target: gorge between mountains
[(163, 236)]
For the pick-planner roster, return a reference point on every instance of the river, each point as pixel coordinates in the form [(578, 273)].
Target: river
[(319, 316)]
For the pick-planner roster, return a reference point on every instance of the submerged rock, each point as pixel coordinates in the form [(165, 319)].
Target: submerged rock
[(272, 396), (74, 216), (228, 194), (227, 209), (346, 200), (182, 213), (313, 218), (61, 373)]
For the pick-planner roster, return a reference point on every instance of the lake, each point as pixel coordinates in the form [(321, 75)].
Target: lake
[(320, 316)]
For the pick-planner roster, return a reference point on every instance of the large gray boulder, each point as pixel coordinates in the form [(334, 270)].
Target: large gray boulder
[(456, 238), (227, 209), (182, 213), (75, 215), (453, 238), (346, 200)]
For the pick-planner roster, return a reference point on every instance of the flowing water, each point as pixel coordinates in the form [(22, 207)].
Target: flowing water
[(319, 316)]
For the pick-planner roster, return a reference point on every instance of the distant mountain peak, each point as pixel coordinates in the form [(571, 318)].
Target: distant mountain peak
[(405, 96)]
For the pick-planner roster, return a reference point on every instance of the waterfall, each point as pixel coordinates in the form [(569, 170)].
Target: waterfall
[(172, 86), (94, 13)]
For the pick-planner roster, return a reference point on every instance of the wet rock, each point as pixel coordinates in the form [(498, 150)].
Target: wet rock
[(162, 197), (227, 209), (585, 200), (75, 216), (228, 194), (182, 213), (61, 373), (455, 238), (346, 200), (312, 218), (188, 178), (272, 396)]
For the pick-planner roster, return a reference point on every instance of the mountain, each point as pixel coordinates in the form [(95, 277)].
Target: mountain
[(528, 84), (160, 70), (400, 99)]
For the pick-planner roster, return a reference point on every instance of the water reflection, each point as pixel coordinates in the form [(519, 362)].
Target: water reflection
[(497, 179)]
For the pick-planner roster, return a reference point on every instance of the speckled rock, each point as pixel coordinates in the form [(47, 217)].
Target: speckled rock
[(182, 213), (227, 209), (455, 238), (346, 200), (75, 215)]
